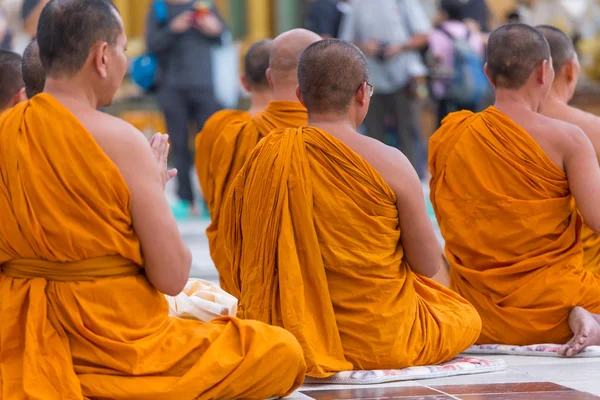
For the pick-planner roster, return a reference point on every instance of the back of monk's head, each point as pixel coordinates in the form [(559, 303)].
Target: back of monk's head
[(514, 51), (83, 40), (11, 79), (285, 53), (330, 73), (256, 64), (561, 46), (33, 70)]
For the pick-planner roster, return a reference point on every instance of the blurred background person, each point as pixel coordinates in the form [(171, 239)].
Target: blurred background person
[(324, 17), (457, 50), (5, 34), (391, 33), (186, 94)]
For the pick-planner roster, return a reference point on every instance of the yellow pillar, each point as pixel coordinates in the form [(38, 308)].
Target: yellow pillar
[(124, 10), (259, 20)]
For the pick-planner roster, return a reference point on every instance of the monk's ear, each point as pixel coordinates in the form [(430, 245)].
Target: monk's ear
[(362, 94), (569, 69), (544, 72), (487, 73), (22, 95), (245, 83), (299, 96), (269, 77), (18, 97), (100, 59)]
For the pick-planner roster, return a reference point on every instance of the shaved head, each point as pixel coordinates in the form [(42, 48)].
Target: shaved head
[(286, 52), (11, 78), (256, 64), (561, 46), (69, 29), (34, 75), (330, 72), (513, 52)]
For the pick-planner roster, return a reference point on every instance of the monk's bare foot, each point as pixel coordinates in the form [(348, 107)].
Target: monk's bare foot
[(586, 332)]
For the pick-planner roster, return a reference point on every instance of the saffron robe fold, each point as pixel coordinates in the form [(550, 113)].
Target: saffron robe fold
[(591, 249), (79, 318), (313, 234), (205, 142), (230, 152), (511, 227)]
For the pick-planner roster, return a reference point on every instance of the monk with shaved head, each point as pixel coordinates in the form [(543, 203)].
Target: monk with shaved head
[(505, 183), (237, 139), (12, 88), (34, 75), (329, 236), (567, 71), (89, 246)]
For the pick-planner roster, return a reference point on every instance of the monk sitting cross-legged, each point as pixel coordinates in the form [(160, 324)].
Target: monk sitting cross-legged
[(503, 187), (329, 235), (81, 200), (238, 139), (255, 82), (567, 69)]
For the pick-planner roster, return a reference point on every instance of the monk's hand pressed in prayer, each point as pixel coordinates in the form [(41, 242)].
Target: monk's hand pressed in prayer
[(182, 22), (160, 147)]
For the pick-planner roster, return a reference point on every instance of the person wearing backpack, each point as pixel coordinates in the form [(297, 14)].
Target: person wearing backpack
[(180, 34), (458, 79)]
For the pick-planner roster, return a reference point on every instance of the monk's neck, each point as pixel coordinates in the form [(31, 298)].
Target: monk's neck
[(71, 91), (259, 101), (560, 92), (515, 99), (331, 122), (285, 93)]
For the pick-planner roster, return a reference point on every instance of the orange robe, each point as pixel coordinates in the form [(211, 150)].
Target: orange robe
[(205, 142), (79, 318), (512, 230), (591, 249), (230, 152), (314, 237)]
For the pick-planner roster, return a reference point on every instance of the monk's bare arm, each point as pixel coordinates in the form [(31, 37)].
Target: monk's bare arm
[(167, 259), (421, 247), (583, 173)]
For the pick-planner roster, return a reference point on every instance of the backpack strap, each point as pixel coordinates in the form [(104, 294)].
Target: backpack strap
[(444, 31), (161, 11)]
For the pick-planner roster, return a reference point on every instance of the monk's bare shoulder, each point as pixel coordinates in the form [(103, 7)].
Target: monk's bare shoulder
[(121, 141), (391, 163), (589, 123)]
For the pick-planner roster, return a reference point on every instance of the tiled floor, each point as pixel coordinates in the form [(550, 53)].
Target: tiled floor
[(535, 378)]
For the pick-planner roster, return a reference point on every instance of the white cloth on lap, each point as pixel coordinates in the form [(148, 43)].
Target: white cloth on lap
[(202, 300)]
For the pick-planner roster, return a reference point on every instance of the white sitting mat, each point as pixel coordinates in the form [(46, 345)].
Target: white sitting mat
[(539, 350), (463, 365)]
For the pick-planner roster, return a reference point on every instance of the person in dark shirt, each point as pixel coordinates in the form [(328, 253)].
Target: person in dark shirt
[(324, 18), (478, 11), (186, 94)]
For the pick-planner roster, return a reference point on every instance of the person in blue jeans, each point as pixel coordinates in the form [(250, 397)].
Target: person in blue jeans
[(185, 88)]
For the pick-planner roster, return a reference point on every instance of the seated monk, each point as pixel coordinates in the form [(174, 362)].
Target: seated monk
[(12, 88), (82, 200), (567, 69), (255, 82), (34, 75), (337, 246), (503, 185), (238, 139)]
